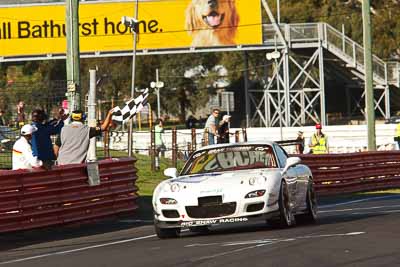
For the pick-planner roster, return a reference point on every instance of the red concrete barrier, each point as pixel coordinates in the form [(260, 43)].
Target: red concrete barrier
[(31, 199), (354, 172)]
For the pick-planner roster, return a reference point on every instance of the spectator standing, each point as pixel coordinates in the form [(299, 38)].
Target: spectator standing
[(319, 141), (158, 141), (22, 157), (223, 130), (397, 137), (57, 114), (300, 143), (42, 146), (74, 138), (191, 122), (212, 126), (3, 121), (20, 120)]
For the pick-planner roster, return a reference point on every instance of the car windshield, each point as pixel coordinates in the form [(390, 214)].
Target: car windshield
[(230, 159)]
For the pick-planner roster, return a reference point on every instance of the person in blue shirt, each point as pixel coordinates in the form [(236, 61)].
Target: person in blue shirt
[(42, 146)]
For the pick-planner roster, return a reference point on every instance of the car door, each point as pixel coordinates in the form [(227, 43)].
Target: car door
[(290, 176)]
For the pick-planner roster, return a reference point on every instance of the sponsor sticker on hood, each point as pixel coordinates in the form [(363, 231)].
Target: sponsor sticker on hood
[(211, 191)]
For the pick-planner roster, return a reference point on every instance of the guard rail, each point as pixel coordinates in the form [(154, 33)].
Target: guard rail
[(31, 199), (354, 172)]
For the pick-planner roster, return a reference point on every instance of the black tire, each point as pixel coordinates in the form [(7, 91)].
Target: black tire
[(310, 216), (286, 217), (164, 233)]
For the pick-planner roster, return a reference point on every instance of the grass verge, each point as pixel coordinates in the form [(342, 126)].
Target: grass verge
[(148, 179)]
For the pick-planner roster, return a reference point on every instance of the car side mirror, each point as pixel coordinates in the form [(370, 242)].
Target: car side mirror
[(292, 161), (171, 172)]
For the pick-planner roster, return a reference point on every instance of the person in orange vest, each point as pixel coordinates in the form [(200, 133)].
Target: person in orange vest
[(319, 141)]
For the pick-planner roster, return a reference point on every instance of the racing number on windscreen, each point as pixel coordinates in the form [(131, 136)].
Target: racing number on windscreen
[(231, 158)]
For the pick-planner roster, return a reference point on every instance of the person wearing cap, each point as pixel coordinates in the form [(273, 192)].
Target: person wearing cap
[(74, 139), (223, 130), (319, 141), (22, 157), (300, 143), (42, 146)]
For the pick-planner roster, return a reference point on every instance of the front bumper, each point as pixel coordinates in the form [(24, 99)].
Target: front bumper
[(214, 222)]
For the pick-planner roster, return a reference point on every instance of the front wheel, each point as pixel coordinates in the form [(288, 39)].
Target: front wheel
[(167, 232), (285, 218)]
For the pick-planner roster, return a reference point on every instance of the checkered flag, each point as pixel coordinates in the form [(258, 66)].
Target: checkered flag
[(132, 107)]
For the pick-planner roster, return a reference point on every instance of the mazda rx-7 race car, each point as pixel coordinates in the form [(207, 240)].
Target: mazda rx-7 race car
[(234, 183)]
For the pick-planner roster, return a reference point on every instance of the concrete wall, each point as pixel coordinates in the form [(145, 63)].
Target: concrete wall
[(342, 139)]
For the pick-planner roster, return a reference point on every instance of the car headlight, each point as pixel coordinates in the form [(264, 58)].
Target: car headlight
[(175, 187), (168, 201), (257, 180), (257, 193)]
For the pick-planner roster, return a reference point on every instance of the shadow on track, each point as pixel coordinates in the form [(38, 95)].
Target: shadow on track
[(140, 217)]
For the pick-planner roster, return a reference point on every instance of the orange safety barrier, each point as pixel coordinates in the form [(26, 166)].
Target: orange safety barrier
[(31, 199), (354, 172)]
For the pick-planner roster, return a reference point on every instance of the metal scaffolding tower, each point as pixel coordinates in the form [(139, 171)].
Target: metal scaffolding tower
[(294, 94)]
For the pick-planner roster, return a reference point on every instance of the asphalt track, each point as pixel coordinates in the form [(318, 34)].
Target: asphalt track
[(360, 231)]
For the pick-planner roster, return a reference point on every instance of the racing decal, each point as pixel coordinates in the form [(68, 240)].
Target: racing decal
[(214, 221), (231, 158), (229, 149), (235, 160), (199, 154)]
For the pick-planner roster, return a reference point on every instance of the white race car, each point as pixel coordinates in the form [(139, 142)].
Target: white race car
[(234, 183)]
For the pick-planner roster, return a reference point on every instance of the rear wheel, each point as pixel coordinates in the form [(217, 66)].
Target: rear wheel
[(167, 232), (285, 218), (311, 213)]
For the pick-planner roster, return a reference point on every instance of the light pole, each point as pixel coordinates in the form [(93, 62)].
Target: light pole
[(157, 85), (132, 23), (72, 56), (278, 11), (369, 82), (275, 55)]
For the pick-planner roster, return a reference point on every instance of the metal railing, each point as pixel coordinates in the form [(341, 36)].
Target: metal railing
[(352, 53), (35, 198), (336, 174)]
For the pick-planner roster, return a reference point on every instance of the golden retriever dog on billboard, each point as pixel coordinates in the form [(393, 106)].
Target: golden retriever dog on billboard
[(212, 22)]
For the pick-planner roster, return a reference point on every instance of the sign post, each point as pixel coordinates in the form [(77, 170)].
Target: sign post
[(73, 75)]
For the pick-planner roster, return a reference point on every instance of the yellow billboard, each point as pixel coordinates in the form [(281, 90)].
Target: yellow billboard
[(40, 29)]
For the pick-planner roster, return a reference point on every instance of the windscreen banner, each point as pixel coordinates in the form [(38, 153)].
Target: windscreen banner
[(40, 29)]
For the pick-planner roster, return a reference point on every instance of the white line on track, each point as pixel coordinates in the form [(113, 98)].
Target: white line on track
[(76, 250), (358, 201), (135, 221), (376, 212), (261, 243), (353, 209)]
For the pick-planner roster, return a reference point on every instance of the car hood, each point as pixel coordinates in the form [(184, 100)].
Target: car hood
[(221, 182)]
